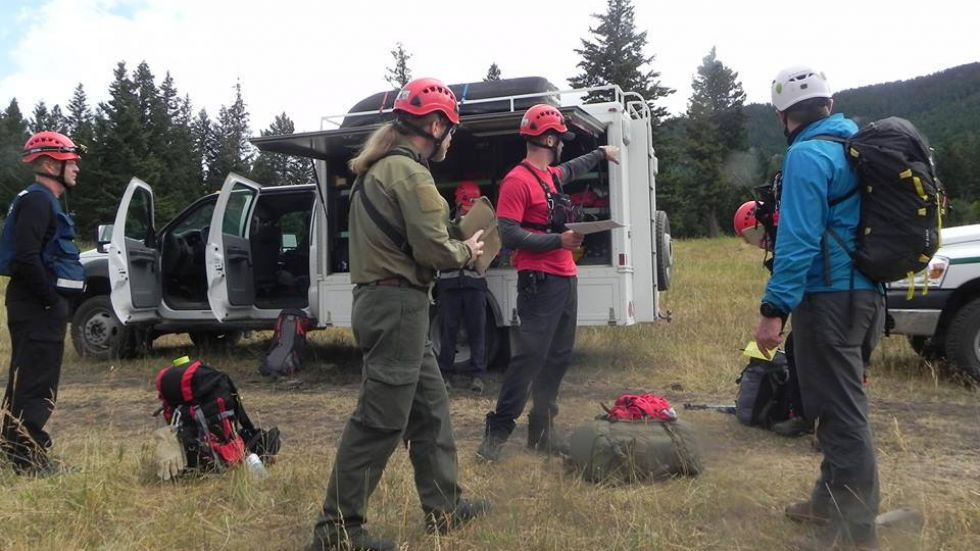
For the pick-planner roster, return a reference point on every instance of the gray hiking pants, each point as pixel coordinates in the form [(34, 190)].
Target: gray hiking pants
[(833, 335)]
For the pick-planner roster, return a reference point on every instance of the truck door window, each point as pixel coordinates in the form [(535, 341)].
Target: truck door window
[(139, 217), (235, 219)]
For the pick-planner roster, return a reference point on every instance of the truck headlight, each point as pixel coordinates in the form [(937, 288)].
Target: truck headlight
[(931, 277)]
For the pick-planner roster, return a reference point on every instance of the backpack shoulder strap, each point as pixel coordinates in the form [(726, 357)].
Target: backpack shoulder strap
[(544, 187), (394, 235)]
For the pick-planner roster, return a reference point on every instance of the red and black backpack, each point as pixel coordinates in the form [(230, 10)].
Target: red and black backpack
[(211, 422)]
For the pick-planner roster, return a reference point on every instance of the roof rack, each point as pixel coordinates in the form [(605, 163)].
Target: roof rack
[(619, 97)]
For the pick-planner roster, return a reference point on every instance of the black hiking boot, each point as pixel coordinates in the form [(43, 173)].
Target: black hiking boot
[(540, 435), (354, 539), (490, 447), (466, 510)]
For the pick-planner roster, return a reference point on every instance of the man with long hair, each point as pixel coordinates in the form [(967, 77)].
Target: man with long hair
[(398, 239)]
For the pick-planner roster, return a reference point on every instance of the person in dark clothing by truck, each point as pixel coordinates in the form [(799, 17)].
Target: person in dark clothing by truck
[(38, 252), (531, 223), (462, 298)]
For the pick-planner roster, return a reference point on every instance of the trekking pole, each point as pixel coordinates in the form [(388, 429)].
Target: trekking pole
[(713, 407)]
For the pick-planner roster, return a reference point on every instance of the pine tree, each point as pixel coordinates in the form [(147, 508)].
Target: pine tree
[(117, 147), (40, 118), (234, 153), (616, 56), (205, 146), (399, 75), (493, 73), (718, 96), (276, 169), (715, 132), (79, 119), (14, 175)]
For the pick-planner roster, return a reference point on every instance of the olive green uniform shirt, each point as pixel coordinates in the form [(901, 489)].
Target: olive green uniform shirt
[(404, 193)]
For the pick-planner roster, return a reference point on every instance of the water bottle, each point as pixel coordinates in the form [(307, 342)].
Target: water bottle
[(255, 467)]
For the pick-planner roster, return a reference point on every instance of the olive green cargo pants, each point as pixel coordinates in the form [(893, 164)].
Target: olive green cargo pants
[(402, 397)]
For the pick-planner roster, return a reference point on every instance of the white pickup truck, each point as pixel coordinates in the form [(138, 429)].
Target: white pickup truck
[(940, 310), (233, 260)]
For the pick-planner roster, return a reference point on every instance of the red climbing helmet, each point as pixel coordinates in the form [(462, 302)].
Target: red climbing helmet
[(748, 227), (543, 118), (53, 144), (423, 96), (466, 192)]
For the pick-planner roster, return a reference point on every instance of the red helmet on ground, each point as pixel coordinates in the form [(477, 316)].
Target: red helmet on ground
[(543, 118), (466, 192), (57, 146), (748, 227), (423, 96)]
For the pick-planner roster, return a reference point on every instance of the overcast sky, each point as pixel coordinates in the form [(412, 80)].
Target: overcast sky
[(312, 58)]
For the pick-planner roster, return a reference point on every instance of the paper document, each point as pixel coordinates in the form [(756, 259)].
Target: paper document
[(752, 350), (593, 227)]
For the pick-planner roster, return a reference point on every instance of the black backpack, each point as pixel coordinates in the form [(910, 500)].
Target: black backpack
[(768, 392), (902, 200), (212, 425), (285, 355)]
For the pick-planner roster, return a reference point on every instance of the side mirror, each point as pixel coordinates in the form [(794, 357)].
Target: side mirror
[(103, 235)]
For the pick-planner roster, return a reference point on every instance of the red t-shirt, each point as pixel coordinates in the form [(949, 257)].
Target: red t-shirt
[(522, 200)]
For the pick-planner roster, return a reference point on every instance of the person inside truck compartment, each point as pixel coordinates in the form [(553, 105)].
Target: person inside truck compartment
[(462, 296), (398, 239), (532, 223)]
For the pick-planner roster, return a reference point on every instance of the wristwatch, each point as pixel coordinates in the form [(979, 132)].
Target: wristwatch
[(769, 311)]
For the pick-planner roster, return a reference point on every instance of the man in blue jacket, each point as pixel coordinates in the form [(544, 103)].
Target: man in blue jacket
[(837, 311)]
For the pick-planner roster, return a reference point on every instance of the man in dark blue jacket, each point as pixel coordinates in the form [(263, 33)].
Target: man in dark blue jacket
[(38, 252), (837, 311)]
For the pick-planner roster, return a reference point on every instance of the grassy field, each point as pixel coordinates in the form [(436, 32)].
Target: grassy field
[(926, 423)]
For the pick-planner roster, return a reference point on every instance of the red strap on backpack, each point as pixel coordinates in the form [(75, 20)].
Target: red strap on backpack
[(632, 407)]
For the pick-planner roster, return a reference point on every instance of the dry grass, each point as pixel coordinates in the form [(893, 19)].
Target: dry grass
[(926, 429)]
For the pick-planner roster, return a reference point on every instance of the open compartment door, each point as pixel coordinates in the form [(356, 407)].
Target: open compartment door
[(228, 255), (134, 261)]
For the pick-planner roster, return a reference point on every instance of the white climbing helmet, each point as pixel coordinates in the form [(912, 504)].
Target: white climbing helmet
[(795, 84)]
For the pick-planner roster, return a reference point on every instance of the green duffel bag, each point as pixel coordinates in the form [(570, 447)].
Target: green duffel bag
[(623, 452)]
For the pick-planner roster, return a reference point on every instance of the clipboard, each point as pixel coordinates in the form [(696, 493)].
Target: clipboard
[(586, 228), (482, 217)]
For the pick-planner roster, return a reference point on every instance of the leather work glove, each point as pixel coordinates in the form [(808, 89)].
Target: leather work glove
[(169, 454)]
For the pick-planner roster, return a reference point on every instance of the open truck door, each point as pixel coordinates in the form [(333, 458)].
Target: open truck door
[(228, 254), (134, 261)]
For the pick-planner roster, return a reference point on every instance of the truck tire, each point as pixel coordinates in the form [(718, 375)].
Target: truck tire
[(963, 340), (97, 334), (927, 347), (215, 341), (665, 254), (461, 364)]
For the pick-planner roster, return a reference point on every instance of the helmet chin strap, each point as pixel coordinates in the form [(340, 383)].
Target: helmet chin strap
[(60, 177), (555, 155), (436, 141)]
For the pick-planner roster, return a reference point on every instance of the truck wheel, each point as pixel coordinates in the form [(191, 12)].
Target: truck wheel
[(97, 333), (926, 347), (963, 340), (215, 341), (462, 361), (665, 254)]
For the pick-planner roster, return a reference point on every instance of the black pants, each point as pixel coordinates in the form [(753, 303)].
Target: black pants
[(548, 308), (37, 343), (833, 333), (463, 301)]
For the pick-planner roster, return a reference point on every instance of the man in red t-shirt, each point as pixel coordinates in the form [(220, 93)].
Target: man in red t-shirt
[(547, 295)]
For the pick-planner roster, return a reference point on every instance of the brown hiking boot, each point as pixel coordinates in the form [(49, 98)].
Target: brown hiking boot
[(803, 512)]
